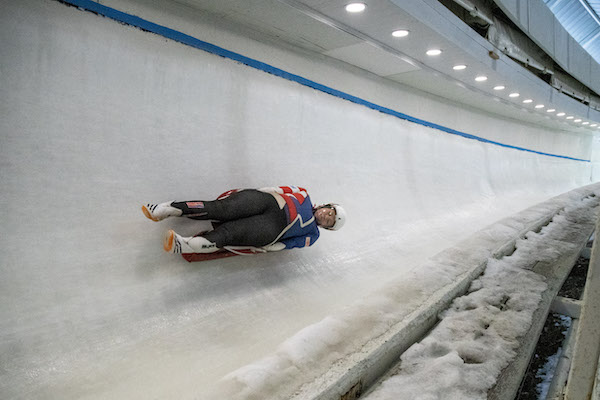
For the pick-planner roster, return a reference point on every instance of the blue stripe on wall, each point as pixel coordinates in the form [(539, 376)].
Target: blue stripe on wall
[(199, 44)]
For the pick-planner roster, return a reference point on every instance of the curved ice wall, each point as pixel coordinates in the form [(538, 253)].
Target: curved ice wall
[(99, 117)]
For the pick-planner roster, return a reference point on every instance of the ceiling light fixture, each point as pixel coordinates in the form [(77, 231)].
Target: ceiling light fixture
[(560, 114), (577, 120), (585, 123), (499, 87), (356, 7), (550, 110), (459, 67), (570, 117), (539, 106), (514, 94), (527, 101), (481, 78), (434, 52), (400, 33), (593, 125)]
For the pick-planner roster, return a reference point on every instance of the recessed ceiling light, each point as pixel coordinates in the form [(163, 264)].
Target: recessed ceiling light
[(585, 123), (593, 125), (499, 87), (560, 114), (514, 94), (400, 33), (459, 67), (527, 101), (577, 120), (481, 78), (434, 52), (356, 7), (550, 110), (539, 106), (570, 117)]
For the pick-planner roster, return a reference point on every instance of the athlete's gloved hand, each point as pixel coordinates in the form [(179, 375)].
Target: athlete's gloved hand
[(274, 247)]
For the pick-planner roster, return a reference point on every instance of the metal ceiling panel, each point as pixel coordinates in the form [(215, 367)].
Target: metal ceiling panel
[(561, 45), (371, 58), (595, 5), (580, 18), (538, 26), (278, 20), (581, 68)]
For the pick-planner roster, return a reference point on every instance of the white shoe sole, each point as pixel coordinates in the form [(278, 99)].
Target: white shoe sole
[(148, 214), (169, 242)]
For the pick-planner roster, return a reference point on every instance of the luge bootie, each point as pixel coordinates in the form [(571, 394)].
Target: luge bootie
[(158, 212), (174, 243)]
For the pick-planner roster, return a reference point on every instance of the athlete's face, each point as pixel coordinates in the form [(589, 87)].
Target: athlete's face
[(325, 217)]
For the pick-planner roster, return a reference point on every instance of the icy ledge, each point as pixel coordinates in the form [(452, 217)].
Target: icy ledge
[(482, 332), (346, 353)]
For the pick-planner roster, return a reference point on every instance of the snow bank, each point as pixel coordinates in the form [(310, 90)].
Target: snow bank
[(475, 340), (479, 335)]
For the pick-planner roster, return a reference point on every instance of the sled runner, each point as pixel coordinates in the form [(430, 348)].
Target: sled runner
[(228, 251)]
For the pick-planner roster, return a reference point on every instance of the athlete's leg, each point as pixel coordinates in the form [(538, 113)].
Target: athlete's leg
[(242, 204), (257, 230)]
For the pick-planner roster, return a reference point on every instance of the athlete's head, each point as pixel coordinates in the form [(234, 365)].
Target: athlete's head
[(330, 216)]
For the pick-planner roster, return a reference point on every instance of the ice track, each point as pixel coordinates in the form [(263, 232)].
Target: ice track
[(99, 118)]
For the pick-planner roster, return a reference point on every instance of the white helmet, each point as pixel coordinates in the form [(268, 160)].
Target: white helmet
[(340, 216)]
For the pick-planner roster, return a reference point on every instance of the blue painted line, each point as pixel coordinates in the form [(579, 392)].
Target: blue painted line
[(180, 37)]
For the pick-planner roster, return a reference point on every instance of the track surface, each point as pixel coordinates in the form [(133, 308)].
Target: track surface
[(99, 118)]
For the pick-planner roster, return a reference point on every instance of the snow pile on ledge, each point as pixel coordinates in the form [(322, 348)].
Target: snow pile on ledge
[(478, 336)]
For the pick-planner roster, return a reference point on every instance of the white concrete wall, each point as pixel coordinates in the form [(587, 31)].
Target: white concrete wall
[(595, 159), (98, 118)]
